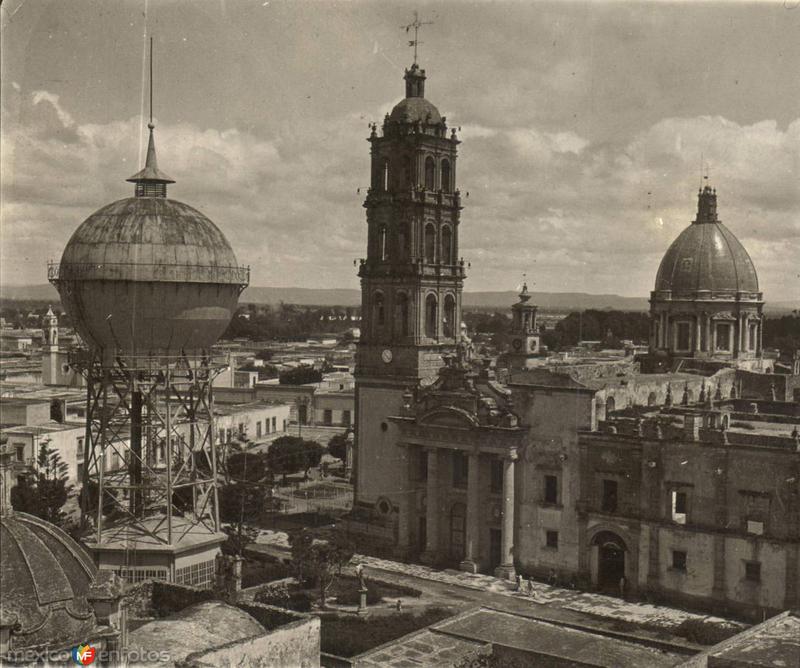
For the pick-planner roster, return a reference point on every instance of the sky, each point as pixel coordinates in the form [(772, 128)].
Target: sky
[(584, 128)]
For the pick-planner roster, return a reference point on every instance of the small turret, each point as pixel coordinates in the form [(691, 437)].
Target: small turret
[(415, 81), (706, 206)]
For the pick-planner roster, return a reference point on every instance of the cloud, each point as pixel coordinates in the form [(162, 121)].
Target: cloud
[(572, 213)]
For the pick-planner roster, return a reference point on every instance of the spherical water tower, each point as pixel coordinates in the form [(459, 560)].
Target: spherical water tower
[(150, 284)]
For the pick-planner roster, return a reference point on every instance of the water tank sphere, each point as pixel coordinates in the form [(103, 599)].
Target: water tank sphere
[(147, 275)]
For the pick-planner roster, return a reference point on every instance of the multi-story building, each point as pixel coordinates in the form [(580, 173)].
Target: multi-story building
[(694, 504)]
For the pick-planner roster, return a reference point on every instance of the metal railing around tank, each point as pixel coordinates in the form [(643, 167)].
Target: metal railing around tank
[(133, 271)]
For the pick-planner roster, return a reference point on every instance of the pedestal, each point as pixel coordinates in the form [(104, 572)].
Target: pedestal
[(468, 566), (362, 602)]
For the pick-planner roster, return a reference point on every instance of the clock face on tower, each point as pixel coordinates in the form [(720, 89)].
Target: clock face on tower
[(517, 343), (386, 356)]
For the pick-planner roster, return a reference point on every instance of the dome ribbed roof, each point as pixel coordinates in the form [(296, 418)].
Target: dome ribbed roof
[(44, 580), (413, 109), (149, 239), (706, 256)]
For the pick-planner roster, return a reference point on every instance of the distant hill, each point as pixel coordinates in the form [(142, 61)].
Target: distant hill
[(566, 301), (42, 292), (499, 300)]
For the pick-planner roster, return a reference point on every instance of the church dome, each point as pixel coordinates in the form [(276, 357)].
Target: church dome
[(414, 109), (706, 257), (44, 581)]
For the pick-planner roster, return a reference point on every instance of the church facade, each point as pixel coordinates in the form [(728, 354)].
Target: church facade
[(567, 470)]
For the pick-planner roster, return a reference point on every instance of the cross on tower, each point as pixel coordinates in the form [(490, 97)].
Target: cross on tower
[(416, 24)]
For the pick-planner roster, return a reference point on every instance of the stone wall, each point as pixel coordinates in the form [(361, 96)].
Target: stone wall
[(296, 644)]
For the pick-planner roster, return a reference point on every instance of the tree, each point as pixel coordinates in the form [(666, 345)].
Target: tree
[(337, 446), (246, 467), (300, 376), (286, 455), (239, 502), (318, 563), (312, 456), (44, 492)]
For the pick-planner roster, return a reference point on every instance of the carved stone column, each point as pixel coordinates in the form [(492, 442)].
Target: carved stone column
[(506, 567), (431, 554), (472, 555), (697, 337)]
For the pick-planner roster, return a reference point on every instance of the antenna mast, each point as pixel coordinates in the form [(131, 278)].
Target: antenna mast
[(151, 83)]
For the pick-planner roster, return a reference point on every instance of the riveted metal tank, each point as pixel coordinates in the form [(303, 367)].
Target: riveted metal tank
[(149, 276)]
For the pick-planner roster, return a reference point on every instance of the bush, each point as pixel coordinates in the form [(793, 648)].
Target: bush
[(285, 596), (704, 633), (258, 572), (348, 636)]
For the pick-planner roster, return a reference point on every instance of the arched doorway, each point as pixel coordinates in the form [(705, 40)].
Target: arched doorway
[(611, 551)]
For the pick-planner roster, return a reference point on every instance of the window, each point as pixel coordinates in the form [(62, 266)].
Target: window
[(431, 316), (402, 313), (221, 436), (611, 406), (197, 575), (679, 505), (430, 174), (684, 336), (134, 575), (551, 539), (752, 339), (407, 173), (385, 175), (266, 425), (80, 450), (446, 186), (755, 511), (724, 336), (449, 324), (383, 245), (609, 502), (241, 429), (679, 560), (346, 419), (447, 245), (402, 241), (550, 489), (496, 472), (79, 473), (258, 429), (20, 453), (460, 469), (274, 424), (752, 571), (327, 417), (430, 244), (377, 309)]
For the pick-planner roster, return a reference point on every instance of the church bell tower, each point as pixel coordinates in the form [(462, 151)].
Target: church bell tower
[(411, 280)]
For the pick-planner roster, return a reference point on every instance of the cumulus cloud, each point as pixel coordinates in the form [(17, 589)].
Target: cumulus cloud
[(573, 214)]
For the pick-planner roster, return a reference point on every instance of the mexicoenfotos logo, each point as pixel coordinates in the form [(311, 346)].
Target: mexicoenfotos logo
[(83, 655)]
